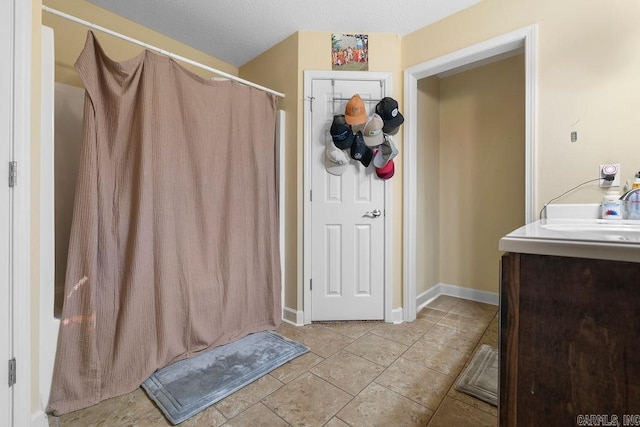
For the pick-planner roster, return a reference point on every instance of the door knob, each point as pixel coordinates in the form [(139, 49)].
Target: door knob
[(374, 213)]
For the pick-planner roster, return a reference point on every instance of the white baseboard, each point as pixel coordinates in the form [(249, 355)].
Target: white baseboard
[(292, 316), (39, 419), (397, 315), (427, 296), (456, 291)]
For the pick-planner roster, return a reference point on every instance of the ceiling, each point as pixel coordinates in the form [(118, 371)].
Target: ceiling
[(236, 31)]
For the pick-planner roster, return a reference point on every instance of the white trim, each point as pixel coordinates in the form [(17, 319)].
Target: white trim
[(456, 291), (525, 37), (22, 312), (39, 419), (427, 296), (397, 316), (280, 176), (49, 325), (389, 312), (294, 317), (470, 294), (309, 76), (158, 50)]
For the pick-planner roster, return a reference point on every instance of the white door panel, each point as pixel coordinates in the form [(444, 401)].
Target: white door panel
[(347, 259)]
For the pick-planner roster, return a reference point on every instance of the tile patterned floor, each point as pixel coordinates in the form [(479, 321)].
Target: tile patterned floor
[(356, 374)]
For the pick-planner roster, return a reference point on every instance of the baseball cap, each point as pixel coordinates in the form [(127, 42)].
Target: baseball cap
[(387, 108), (335, 160), (385, 152), (341, 132), (386, 171), (360, 151), (355, 112), (372, 131)]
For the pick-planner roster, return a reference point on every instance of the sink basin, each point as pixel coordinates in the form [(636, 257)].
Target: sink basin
[(596, 229), (582, 237)]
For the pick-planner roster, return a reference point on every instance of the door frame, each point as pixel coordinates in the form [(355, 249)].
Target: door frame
[(524, 38), (19, 48), (309, 76)]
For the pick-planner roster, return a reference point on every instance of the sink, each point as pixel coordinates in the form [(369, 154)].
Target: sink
[(579, 236), (595, 229)]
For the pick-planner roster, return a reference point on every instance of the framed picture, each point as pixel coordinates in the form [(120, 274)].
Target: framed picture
[(350, 52)]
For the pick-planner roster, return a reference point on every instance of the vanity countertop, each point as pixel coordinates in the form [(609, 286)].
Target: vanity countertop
[(617, 240)]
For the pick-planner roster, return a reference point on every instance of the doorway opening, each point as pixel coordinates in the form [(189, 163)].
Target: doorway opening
[(480, 54)]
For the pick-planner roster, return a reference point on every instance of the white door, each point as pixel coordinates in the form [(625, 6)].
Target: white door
[(6, 80), (347, 238)]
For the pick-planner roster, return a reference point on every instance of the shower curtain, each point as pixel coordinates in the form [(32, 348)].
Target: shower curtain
[(174, 242)]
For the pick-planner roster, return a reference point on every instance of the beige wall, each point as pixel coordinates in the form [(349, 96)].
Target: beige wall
[(277, 69), (470, 173), (588, 73), (428, 185), (481, 170)]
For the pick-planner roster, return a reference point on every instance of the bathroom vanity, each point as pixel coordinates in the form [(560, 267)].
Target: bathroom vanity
[(570, 324)]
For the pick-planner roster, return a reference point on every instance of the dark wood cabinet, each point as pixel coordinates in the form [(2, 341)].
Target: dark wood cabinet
[(569, 341)]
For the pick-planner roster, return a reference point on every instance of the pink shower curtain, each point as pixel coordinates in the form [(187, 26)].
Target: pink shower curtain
[(174, 242)]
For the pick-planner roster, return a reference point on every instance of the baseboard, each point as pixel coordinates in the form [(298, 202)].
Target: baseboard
[(471, 294), (39, 419), (456, 291), (292, 316), (397, 315), (427, 296)]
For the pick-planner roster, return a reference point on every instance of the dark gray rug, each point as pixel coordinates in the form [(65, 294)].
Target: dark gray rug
[(189, 386), (480, 377)]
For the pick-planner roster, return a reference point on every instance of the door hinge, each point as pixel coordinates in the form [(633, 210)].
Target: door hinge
[(13, 173), (12, 372), (311, 195), (311, 98), (310, 284)]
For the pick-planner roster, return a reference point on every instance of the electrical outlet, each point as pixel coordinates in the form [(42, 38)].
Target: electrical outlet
[(608, 170)]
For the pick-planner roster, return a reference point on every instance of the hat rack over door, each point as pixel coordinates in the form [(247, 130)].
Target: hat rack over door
[(336, 98)]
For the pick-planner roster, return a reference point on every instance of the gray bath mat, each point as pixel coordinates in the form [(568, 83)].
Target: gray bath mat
[(480, 377), (189, 386)]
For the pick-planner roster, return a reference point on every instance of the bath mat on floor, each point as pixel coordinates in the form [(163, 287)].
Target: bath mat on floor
[(189, 386), (480, 377)]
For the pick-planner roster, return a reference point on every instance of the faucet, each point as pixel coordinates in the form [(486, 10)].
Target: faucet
[(629, 193)]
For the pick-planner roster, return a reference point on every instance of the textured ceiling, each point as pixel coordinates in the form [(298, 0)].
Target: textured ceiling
[(236, 31)]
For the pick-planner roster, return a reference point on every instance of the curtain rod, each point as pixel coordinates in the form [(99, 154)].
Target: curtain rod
[(158, 50)]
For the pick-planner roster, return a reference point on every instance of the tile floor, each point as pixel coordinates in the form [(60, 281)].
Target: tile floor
[(356, 374)]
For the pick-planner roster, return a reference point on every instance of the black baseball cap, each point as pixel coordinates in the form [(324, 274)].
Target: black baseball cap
[(360, 151), (387, 108), (341, 132)]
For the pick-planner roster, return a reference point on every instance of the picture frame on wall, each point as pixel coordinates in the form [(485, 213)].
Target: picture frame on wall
[(350, 52)]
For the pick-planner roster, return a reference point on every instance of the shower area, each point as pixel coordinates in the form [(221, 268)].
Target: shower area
[(62, 114)]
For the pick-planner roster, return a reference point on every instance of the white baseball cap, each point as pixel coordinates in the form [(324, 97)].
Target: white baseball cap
[(335, 160), (385, 152)]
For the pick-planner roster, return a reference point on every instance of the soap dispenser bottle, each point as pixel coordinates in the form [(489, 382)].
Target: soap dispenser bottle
[(611, 205), (633, 201)]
